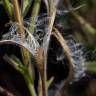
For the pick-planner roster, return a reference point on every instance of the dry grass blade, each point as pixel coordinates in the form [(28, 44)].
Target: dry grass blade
[(67, 52), (19, 19), (84, 24)]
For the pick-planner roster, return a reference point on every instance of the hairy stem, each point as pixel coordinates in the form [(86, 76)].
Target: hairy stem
[(43, 72), (67, 52), (40, 59), (19, 20)]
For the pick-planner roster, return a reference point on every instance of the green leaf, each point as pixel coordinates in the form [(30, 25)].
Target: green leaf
[(91, 66), (9, 8), (16, 63), (24, 71), (49, 82), (1, 2), (26, 7), (16, 60)]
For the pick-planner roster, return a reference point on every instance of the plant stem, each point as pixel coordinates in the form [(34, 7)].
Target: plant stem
[(39, 56), (67, 52), (42, 54), (35, 11), (25, 53), (52, 14), (40, 59), (24, 71), (34, 15), (31, 87), (19, 20)]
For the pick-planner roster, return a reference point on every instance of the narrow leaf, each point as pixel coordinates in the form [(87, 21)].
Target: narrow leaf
[(26, 7), (9, 7)]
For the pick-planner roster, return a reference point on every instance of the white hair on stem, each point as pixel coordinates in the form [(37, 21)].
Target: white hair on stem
[(31, 41)]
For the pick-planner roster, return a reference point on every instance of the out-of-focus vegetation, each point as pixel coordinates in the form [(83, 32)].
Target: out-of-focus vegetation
[(64, 17)]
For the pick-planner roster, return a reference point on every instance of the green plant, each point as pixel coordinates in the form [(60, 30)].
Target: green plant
[(41, 55), (26, 34)]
